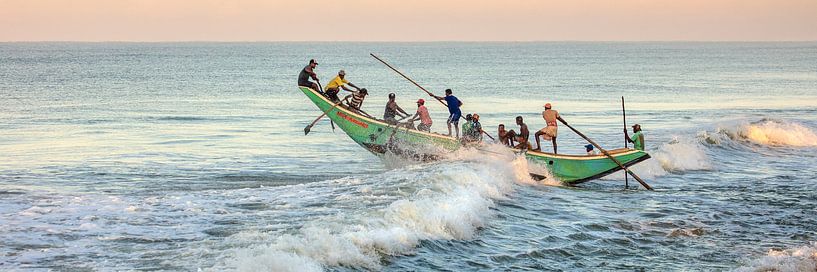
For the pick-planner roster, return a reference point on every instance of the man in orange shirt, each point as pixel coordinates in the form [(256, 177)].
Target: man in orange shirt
[(422, 115)]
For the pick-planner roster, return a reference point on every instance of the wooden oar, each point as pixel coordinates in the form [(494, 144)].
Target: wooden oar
[(412, 81), (489, 135), (309, 127), (647, 186), (624, 116), (319, 117)]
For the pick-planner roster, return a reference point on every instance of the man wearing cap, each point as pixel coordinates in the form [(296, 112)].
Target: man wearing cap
[(306, 73), (589, 149), (422, 115), (548, 132), (637, 139), (333, 88)]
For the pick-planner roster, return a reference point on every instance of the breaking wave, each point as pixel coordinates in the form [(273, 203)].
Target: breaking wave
[(442, 201), (766, 132), (681, 155), (803, 258)]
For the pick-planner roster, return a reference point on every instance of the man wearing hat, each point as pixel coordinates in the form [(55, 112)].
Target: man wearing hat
[(423, 116), (333, 88), (548, 132), (306, 73), (637, 139), (589, 149)]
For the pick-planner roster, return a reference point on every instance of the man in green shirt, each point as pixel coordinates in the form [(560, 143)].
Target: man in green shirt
[(637, 139)]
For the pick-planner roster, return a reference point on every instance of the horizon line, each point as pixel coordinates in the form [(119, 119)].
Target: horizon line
[(399, 41)]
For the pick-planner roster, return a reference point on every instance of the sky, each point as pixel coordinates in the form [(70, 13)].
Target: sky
[(408, 20)]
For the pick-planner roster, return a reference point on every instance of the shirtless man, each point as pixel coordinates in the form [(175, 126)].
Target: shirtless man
[(548, 132), (522, 136), (503, 135), (393, 110)]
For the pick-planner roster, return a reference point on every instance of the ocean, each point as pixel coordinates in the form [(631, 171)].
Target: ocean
[(191, 156)]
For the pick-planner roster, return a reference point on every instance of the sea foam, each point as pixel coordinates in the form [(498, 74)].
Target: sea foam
[(802, 258), (766, 132), (451, 200)]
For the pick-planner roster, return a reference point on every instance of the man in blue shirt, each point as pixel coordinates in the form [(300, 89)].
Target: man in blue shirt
[(454, 105)]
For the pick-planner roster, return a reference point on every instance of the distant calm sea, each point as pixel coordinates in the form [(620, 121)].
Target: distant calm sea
[(188, 156)]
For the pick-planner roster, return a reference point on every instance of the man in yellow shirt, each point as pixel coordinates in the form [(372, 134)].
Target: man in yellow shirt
[(333, 88)]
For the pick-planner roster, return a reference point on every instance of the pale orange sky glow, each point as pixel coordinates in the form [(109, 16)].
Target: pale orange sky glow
[(415, 20)]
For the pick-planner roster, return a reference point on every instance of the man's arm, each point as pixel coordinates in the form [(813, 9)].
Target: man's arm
[(353, 85), (559, 117), (311, 73), (627, 136), (641, 138), (400, 109), (347, 89)]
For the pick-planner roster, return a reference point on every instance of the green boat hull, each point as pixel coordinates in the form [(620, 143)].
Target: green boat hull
[(379, 138)]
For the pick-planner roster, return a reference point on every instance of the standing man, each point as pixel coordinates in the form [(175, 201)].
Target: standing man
[(454, 105), (333, 88), (306, 73), (521, 137), (393, 110), (548, 132), (637, 139), (422, 115)]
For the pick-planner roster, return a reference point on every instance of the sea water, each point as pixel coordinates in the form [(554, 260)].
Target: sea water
[(191, 156)]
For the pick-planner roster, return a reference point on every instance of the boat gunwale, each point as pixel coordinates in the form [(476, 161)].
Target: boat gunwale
[(614, 152)]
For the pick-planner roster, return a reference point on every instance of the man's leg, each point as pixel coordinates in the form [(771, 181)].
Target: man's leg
[(315, 87), (554, 145), (449, 129), (538, 143), (457, 128)]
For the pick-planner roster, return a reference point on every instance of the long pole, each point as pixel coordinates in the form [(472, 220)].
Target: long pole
[(647, 186), (409, 79), (624, 116)]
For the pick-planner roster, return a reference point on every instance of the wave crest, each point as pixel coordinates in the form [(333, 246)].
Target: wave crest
[(797, 259)]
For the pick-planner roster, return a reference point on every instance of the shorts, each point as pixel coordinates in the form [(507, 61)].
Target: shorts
[(332, 94), (454, 118), (424, 127), (549, 132), (306, 84), (390, 120)]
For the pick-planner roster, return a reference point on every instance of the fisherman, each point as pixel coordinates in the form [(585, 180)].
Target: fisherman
[(333, 88), (548, 132), (637, 139), (393, 110), (422, 115), (476, 128), (522, 136), (357, 100), (589, 149), (306, 73), (454, 105), (466, 128), (503, 135)]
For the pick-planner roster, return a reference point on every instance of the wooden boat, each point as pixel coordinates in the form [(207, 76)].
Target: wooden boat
[(379, 138)]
